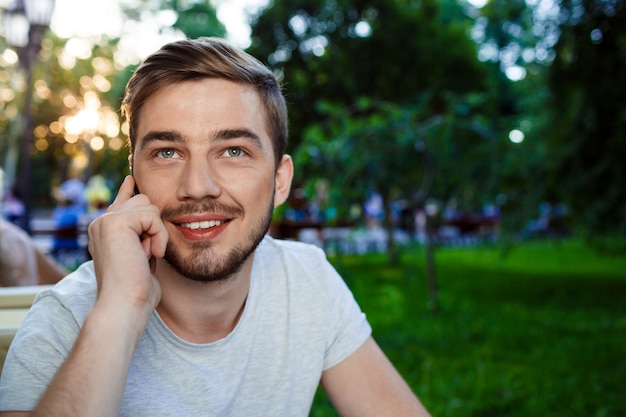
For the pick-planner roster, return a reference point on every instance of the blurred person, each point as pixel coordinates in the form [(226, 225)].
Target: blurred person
[(189, 308), (374, 210), (21, 262), (71, 207), (98, 195), (13, 208), (74, 189)]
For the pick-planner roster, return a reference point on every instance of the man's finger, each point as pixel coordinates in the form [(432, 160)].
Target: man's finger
[(125, 193)]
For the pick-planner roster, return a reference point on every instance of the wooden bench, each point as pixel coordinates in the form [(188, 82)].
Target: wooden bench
[(14, 304)]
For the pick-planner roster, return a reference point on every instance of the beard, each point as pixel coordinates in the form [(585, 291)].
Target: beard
[(204, 265)]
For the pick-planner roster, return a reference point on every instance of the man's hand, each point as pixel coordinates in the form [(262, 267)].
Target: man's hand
[(124, 243)]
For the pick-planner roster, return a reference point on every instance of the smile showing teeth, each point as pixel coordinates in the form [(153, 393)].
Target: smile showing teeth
[(207, 224)]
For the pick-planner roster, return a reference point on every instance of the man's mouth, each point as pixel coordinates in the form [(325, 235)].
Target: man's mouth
[(207, 224)]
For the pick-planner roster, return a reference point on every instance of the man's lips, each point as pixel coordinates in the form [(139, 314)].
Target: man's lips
[(200, 221), (201, 227)]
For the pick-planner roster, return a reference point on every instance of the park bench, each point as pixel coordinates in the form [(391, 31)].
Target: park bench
[(14, 304)]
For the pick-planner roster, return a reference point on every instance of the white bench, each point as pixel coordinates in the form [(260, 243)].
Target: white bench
[(14, 304)]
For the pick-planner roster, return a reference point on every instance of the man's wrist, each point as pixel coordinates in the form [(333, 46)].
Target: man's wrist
[(119, 321)]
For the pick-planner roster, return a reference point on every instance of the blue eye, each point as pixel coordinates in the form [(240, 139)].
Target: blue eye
[(167, 153), (233, 152)]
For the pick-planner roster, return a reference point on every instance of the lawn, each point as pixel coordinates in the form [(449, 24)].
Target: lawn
[(540, 331)]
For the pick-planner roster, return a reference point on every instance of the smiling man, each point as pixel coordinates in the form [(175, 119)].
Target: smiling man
[(188, 307), (218, 169)]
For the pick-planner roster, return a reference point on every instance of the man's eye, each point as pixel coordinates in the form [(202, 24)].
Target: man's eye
[(167, 153), (233, 152)]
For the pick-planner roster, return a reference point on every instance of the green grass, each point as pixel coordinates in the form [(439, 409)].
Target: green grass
[(540, 331)]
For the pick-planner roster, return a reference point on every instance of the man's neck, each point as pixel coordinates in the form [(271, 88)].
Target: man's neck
[(202, 312)]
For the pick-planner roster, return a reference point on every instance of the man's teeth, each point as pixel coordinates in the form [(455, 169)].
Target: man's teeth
[(202, 225)]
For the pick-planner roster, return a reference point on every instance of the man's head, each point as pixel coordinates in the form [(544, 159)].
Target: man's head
[(188, 60), (208, 131)]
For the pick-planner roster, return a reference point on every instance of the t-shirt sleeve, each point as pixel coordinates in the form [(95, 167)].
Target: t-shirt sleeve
[(40, 346), (347, 326)]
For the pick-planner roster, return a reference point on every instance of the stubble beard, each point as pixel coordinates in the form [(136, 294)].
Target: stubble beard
[(204, 265)]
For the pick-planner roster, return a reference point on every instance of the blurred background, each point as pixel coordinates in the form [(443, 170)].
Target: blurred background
[(461, 162)]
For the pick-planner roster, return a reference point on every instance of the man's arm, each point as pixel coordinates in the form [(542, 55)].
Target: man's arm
[(91, 381), (90, 378), (367, 384)]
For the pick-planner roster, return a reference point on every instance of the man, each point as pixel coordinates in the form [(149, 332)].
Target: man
[(188, 308)]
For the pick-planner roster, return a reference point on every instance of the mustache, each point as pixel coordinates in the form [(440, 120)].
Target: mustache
[(209, 206)]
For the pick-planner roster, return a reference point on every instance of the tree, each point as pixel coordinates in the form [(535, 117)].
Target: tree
[(516, 39), (194, 18), (588, 143), (61, 82), (341, 51), (397, 151)]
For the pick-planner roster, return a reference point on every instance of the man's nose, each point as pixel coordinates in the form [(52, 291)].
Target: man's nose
[(199, 180)]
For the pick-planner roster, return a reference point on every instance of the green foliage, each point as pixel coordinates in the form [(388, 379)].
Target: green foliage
[(399, 151), (362, 148), (404, 109), (588, 136), (198, 19), (408, 110), (341, 51), (514, 335), (194, 18)]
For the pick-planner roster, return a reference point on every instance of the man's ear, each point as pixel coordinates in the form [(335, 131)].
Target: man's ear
[(282, 181)]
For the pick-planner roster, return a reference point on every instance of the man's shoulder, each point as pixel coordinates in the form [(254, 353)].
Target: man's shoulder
[(301, 264), (77, 291), (290, 248)]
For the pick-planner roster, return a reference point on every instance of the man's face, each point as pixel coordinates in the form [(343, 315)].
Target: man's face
[(203, 156)]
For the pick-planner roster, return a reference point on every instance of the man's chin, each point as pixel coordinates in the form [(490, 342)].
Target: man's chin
[(204, 265), (201, 261)]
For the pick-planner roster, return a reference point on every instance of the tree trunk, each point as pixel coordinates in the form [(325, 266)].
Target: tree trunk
[(430, 267), (392, 250)]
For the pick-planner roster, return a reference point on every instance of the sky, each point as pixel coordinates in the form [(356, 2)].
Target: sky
[(84, 18)]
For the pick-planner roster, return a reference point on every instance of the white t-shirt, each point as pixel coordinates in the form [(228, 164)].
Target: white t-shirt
[(299, 320)]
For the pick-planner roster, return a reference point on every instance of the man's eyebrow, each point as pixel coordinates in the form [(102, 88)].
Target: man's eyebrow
[(221, 135), (228, 134), (165, 135)]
